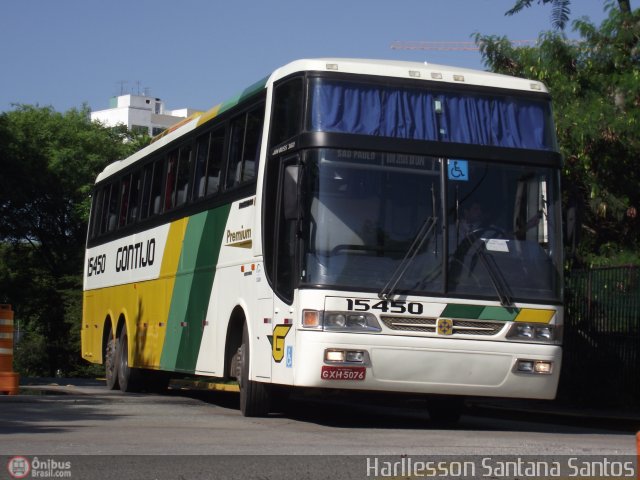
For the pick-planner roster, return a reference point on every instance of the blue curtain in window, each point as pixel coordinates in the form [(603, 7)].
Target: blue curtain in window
[(422, 115)]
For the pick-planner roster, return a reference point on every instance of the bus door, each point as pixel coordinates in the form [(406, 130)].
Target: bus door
[(284, 313)]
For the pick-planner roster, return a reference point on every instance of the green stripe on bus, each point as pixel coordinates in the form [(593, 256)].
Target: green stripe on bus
[(499, 313), (246, 93), (192, 288), (208, 251), (462, 311), (480, 312)]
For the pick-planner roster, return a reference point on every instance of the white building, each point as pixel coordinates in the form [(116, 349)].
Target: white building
[(140, 114)]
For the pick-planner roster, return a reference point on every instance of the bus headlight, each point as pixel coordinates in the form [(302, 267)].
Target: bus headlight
[(340, 321), (350, 321), (534, 332)]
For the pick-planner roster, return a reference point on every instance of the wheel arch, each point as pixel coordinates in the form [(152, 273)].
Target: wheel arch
[(107, 329), (233, 340)]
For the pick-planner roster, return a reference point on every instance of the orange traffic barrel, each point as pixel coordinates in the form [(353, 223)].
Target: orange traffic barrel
[(8, 379)]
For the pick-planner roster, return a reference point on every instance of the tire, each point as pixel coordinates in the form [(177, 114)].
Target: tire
[(128, 378), (445, 411), (254, 396), (111, 363)]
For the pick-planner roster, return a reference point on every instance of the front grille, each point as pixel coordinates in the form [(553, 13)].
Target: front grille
[(410, 324), (428, 325)]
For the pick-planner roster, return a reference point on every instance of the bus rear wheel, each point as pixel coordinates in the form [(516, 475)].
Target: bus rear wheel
[(111, 363), (254, 396)]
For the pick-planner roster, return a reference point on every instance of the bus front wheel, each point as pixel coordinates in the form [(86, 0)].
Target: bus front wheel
[(254, 396)]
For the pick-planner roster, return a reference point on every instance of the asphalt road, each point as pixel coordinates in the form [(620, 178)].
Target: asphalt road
[(185, 435)]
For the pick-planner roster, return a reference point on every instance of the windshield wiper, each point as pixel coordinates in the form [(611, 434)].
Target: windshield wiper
[(495, 275), (425, 232)]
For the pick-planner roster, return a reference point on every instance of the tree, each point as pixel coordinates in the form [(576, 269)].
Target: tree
[(49, 162), (595, 85), (560, 10)]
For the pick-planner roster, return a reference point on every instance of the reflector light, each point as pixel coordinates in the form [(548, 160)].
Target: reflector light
[(436, 75), (458, 78), (332, 66), (414, 73)]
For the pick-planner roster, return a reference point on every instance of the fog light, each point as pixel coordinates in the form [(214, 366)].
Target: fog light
[(543, 367), (524, 366), (540, 367), (355, 356), (334, 356)]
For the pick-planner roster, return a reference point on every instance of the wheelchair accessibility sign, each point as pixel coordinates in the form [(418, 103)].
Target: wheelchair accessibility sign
[(458, 170)]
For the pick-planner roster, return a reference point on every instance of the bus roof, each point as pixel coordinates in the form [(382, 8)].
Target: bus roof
[(388, 68)]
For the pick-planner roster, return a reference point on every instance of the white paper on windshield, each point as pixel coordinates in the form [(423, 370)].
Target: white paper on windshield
[(497, 245)]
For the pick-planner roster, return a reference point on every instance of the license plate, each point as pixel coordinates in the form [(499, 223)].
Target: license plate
[(343, 373)]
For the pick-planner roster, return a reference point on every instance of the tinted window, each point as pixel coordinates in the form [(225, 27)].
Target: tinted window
[(147, 174), (155, 206), (134, 197), (169, 189), (112, 212), (183, 175), (287, 110), (244, 150)]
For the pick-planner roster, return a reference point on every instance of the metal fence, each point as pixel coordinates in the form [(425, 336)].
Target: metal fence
[(601, 362)]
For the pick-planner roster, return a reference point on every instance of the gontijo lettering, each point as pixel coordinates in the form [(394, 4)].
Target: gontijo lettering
[(137, 255)]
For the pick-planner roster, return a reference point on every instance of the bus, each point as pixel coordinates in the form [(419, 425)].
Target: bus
[(342, 224)]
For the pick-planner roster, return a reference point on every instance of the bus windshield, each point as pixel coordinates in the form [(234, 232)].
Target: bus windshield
[(496, 228)]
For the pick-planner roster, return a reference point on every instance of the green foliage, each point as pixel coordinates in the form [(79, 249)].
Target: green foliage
[(49, 161), (561, 10), (595, 85), (559, 16)]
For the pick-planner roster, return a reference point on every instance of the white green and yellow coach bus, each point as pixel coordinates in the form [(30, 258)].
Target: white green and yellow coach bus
[(341, 224)]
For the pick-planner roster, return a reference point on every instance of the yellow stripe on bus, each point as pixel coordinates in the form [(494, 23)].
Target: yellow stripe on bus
[(145, 306), (534, 315), (152, 340)]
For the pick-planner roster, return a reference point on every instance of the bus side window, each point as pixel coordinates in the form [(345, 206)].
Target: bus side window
[(147, 175), (214, 161), (244, 151), (287, 111), (156, 188), (170, 186), (124, 200), (112, 214), (183, 175), (134, 197), (96, 209), (104, 211), (202, 151)]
